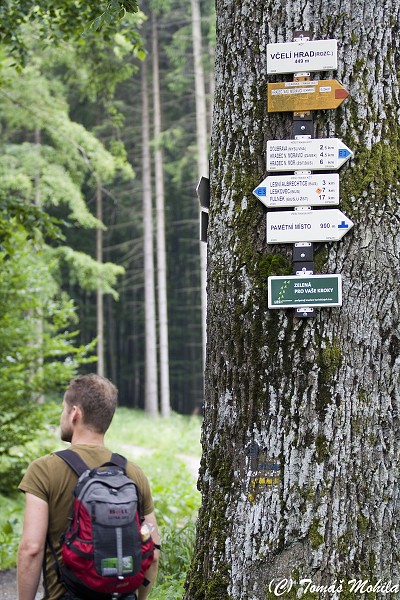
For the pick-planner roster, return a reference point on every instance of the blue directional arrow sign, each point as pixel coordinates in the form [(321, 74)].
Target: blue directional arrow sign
[(301, 189), (322, 154), (260, 192)]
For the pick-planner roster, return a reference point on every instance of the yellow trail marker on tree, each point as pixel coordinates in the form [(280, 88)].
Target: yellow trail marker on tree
[(300, 96)]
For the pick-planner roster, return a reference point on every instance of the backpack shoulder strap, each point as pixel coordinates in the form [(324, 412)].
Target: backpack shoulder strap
[(73, 460), (79, 466), (118, 460)]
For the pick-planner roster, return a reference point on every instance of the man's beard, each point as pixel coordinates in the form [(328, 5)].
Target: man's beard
[(66, 435)]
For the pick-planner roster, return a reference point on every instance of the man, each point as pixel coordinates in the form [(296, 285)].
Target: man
[(88, 408)]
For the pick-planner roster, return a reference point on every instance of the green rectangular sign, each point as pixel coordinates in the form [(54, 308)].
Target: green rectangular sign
[(292, 291)]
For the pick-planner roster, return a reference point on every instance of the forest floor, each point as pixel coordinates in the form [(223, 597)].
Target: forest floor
[(8, 585)]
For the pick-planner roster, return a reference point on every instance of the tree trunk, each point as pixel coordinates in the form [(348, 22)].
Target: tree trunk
[(201, 141), (99, 291), (160, 219), (40, 330), (111, 357), (211, 84), (299, 474), (151, 392)]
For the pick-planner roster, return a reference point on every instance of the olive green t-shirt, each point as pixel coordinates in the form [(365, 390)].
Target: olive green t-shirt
[(52, 480)]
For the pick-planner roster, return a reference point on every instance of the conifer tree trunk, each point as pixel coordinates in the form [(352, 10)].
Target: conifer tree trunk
[(38, 143), (299, 475), (160, 223), (99, 291), (151, 391), (112, 352)]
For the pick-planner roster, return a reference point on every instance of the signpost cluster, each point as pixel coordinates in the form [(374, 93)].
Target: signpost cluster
[(312, 180)]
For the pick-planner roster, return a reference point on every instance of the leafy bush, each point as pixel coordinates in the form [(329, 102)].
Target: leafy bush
[(21, 450), (10, 529), (37, 353)]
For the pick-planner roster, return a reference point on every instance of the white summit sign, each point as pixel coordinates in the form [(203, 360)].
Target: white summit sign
[(321, 154), (291, 57), (328, 225)]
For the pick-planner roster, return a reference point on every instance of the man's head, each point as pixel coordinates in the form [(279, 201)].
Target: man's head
[(94, 398)]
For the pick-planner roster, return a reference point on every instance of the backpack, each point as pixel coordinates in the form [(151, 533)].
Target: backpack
[(105, 550)]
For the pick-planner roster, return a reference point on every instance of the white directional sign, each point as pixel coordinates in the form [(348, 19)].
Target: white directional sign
[(317, 189), (306, 154), (307, 226), (292, 57)]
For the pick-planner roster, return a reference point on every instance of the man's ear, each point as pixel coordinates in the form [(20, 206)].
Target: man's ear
[(76, 414)]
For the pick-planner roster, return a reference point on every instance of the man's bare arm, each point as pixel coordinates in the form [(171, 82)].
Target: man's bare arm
[(151, 573), (32, 546)]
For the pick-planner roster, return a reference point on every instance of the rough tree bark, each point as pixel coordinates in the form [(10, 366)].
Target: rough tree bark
[(318, 399)]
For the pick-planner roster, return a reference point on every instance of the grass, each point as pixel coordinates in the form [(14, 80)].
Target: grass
[(177, 434), (166, 443)]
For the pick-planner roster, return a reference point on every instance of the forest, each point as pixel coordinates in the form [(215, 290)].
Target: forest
[(106, 114), (99, 219)]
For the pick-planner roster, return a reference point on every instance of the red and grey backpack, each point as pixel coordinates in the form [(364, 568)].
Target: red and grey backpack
[(105, 550)]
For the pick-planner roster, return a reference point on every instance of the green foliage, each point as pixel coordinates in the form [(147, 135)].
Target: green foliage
[(10, 529), (58, 20), (179, 53), (33, 220), (86, 272), (177, 549), (19, 169), (37, 351), (31, 102), (182, 501), (115, 10), (53, 170), (12, 502), (30, 435)]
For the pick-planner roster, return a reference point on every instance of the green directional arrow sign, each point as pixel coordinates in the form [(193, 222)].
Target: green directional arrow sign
[(293, 291)]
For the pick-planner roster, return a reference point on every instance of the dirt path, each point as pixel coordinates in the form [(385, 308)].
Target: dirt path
[(8, 586)]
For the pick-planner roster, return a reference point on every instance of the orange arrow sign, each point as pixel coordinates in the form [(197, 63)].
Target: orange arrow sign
[(300, 96)]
